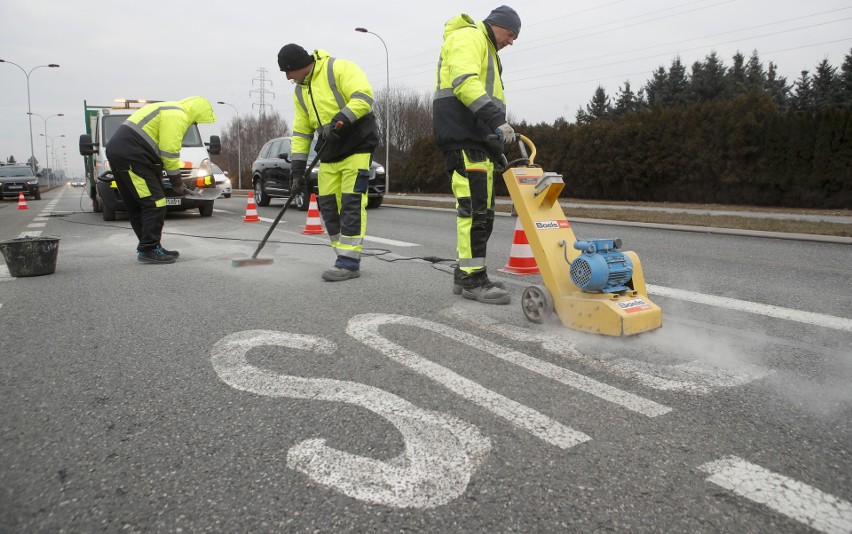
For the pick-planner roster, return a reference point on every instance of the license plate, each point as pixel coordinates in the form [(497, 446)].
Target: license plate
[(13, 186), (173, 202)]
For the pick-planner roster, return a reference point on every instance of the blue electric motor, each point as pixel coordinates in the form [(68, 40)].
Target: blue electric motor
[(601, 267)]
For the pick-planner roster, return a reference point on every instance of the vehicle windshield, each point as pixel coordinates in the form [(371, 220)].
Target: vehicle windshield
[(15, 171), (112, 122)]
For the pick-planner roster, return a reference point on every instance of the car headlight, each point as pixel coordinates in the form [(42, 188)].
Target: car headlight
[(32, 181)]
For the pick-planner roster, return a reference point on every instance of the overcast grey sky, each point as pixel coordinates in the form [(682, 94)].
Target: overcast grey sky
[(217, 49)]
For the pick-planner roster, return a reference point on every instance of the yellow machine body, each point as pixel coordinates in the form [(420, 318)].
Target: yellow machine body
[(535, 195)]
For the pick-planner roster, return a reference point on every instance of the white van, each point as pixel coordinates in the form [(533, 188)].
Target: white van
[(101, 124)]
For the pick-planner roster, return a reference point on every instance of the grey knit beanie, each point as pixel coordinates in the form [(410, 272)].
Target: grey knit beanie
[(505, 17)]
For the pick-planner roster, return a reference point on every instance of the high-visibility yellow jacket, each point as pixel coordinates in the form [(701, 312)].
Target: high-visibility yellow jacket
[(163, 124), (335, 89), (468, 104)]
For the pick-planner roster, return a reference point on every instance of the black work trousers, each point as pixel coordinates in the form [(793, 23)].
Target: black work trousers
[(141, 189)]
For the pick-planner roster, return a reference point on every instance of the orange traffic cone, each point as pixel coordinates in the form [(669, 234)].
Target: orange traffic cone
[(251, 209), (22, 202), (312, 225), (521, 259)]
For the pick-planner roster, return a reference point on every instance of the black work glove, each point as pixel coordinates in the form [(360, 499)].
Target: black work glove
[(331, 131), (297, 176), (178, 185)]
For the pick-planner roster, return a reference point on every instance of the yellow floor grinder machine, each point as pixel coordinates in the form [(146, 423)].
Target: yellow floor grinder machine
[(591, 284)]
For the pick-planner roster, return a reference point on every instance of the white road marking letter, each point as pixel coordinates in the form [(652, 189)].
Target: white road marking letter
[(365, 328), (441, 452), (795, 499)]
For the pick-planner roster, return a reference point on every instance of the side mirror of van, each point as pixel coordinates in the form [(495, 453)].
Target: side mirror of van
[(285, 156), (215, 145), (87, 147)]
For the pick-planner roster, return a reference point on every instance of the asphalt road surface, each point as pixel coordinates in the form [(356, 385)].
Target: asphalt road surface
[(203, 397)]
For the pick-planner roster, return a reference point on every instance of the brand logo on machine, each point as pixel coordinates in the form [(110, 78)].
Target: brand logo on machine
[(551, 225), (634, 305), (526, 180)]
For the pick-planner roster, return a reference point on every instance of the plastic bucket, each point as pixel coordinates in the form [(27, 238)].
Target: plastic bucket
[(30, 256)]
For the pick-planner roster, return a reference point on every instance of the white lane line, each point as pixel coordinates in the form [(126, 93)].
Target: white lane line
[(795, 499), (817, 319), (391, 242), (29, 233), (37, 225)]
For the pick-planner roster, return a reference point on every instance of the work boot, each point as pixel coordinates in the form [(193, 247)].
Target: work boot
[(487, 293), (338, 274), (174, 253), (155, 255), (457, 287)]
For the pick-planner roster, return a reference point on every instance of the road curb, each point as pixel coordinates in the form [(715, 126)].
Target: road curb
[(839, 240)]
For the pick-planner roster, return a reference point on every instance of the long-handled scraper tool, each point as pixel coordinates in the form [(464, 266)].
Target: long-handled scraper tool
[(254, 260)]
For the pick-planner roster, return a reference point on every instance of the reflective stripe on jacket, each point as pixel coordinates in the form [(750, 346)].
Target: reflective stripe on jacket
[(468, 104), (163, 124), (334, 86)]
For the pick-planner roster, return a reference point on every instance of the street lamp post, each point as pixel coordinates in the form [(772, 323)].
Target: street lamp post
[(29, 105), (46, 157), (239, 142), (53, 150), (387, 105)]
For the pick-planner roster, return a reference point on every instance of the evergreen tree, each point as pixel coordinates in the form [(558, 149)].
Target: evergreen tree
[(626, 101), (677, 85), (827, 87), (803, 94), (735, 79), (755, 76), (598, 108), (777, 86), (656, 87), (11, 160), (846, 80), (708, 79)]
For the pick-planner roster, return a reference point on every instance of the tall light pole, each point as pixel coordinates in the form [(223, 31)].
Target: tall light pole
[(52, 149), (29, 105), (387, 105), (239, 142), (46, 158)]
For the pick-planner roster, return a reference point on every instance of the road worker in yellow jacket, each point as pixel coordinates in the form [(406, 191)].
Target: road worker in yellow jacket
[(334, 97), (144, 146), (469, 119)]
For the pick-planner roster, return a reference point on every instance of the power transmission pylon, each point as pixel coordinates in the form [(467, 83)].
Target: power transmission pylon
[(261, 79)]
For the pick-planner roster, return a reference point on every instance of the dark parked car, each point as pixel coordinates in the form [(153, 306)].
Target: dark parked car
[(17, 178), (270, 176)]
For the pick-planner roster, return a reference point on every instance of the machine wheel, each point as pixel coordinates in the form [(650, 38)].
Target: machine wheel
[(302, 201), (108, 212), (260, 197), (537, 304), (206, 210)]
